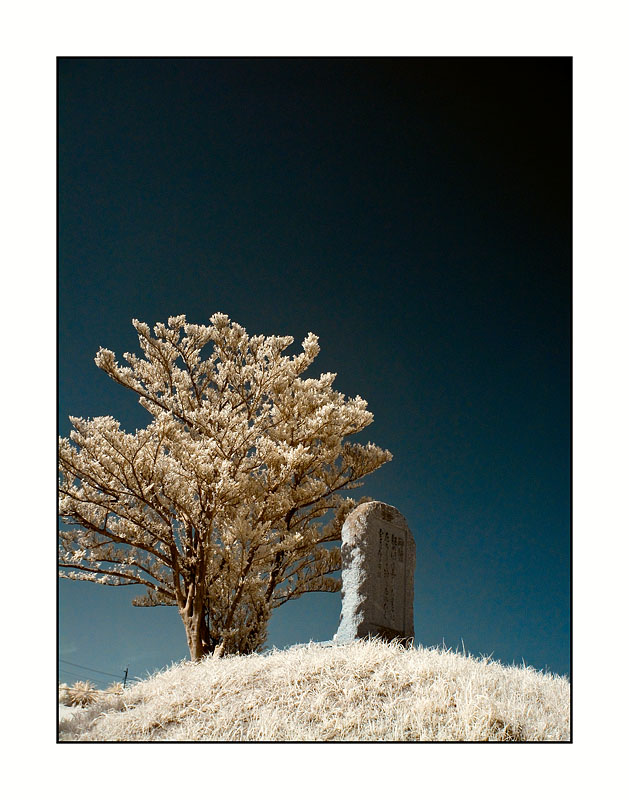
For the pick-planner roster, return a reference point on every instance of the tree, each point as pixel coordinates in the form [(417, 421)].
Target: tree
[(226, 504)]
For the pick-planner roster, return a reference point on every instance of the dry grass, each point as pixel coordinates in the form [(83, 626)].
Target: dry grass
[(363, 691), (84, 693)]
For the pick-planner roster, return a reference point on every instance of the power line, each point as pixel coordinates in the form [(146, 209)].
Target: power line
[(76, 675), (103, 683), (91, 669)]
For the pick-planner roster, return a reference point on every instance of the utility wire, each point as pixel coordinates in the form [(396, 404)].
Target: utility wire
[(103, 683), (76, 675), (91, 669)]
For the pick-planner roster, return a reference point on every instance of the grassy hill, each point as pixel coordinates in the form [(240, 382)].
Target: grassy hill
[(363, 691)]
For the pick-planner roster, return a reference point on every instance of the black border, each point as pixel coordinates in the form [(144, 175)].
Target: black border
[(571, 316)]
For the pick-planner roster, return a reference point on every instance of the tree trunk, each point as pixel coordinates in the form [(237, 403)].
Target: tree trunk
[(200, 642)]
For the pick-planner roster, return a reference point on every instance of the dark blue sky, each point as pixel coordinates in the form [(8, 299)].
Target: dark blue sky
[(416, 215)]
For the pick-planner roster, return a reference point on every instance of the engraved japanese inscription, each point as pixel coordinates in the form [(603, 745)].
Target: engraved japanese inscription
[(378, 554), (389, 606)]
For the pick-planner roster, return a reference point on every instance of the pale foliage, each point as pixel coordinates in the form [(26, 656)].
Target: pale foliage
[(216, 505), (84, 693), (363, 691), (81, 693), (64, 694)]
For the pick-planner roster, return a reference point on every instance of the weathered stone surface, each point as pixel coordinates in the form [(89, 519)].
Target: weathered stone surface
[(378, 557)]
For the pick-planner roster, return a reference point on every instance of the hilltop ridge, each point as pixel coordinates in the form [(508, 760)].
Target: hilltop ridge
[(367, 690)]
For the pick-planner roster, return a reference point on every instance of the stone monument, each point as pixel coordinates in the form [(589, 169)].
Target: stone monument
[(378, 560)]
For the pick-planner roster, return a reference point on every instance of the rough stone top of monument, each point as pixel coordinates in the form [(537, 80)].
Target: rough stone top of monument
[(378, 559), (357, 520)]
